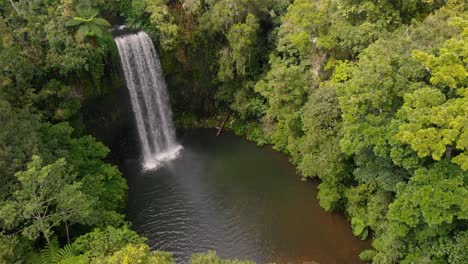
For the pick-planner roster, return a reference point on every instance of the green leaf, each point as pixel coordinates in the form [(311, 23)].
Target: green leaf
[(88, 13), (101, 22), (359, 227), (367, 255), (73, 22), (82, 19), (82, 32), (95, 30)]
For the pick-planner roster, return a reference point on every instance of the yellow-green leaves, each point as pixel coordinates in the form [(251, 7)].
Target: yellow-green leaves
[(136, 254), (163, 20), (104, 242), (359, 228), (449, 67), (212, 258), (342, 70), (192, 6), (301, 26), (433, 125), (242, 38), (435, 120)]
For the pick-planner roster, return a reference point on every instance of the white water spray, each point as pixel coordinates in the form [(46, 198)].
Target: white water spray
[(149, 98)]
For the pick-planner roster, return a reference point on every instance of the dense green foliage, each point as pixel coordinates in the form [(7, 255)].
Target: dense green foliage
[(212, 258), (54, 180), (369, 96), (60, 202)]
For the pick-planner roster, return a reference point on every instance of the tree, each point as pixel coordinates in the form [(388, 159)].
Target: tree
[(118, 245), (242, 39), (414, 203), (48, 196), (157, 19), (101, 182), (19, 140), (222, 15), (428, 211), (104, 242), (320, 150), (136, 254), (55, 102), (434, 118), (15, 249), (434, 126), (285, 88), (39, 47), (302, 25), (212, 258), (23, 135)]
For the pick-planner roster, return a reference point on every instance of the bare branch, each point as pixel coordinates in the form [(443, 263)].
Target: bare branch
[(14, 6)]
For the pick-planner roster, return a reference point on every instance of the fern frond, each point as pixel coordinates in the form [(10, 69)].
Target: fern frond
[(53, 254), (68, 251), (49, 253), (74, 260)]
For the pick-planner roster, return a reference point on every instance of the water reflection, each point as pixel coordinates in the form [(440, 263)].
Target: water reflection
[(245, 202)]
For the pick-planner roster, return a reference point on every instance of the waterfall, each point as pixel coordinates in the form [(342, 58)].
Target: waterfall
[(149, 99)]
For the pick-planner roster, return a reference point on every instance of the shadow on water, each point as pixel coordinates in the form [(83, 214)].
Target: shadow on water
[(243, 201)]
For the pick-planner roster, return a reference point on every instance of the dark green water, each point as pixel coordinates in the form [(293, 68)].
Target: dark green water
[(243, 201)]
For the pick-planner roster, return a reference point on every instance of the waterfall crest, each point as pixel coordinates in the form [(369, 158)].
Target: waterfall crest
[(149, 99)]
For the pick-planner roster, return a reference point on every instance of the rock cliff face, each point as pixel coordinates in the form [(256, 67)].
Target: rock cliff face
[(108, 117)]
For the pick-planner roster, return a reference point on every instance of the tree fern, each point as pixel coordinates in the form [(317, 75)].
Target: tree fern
[(88, 13), (53, 254), (101, 22), (73, 22), (89, 24)]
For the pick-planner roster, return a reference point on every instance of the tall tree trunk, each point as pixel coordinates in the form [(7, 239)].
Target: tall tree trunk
[(448, 153), (46, 237), (68, 234)]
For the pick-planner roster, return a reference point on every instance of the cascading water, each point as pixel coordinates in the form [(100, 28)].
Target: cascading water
[(149, 99)]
